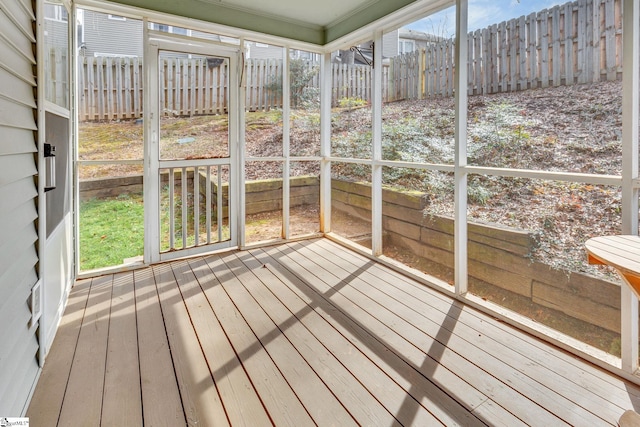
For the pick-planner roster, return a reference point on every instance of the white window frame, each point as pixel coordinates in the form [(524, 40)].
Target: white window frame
[(406, 46), (60, 12)]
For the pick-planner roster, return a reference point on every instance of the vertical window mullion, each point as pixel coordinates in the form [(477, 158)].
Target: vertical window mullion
[(376, 152), (460, 179), (286, 125), (630, 111), (325, 142)]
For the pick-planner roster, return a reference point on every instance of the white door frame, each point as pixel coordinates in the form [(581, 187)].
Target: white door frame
[(154, 42)]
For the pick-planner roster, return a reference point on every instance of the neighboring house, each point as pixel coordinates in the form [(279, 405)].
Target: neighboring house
[(108, 35), (113, 35), (103, 34), (394, 43), (56, 24), (257, 50), (412, 40)]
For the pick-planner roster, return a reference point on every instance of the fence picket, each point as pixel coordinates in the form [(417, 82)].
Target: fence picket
[(82, 96), (544, 47), (137, 88), (101, 85), (512, 35), (597, 38), (522, 54), (477, 61), (568, 37), (556, 66), (610, 40), (503, 49)]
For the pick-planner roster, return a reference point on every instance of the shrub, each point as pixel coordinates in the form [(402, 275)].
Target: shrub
[(350, 103)]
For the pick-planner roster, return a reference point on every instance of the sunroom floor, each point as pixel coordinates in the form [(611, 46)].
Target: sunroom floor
[(306, 333)]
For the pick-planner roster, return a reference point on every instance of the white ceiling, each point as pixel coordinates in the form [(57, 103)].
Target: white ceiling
[(316, 22), (318, 13)]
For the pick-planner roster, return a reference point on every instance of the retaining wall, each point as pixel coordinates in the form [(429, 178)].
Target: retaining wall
[(498, 256), (261, 196)]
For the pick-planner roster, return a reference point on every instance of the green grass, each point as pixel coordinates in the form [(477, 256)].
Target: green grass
[(111, 230)]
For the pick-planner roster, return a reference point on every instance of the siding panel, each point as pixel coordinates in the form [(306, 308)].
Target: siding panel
[(19, 270), (20, 191), (13, 140), (11, 255), (20, 17), (15, 37), (15, 88), (13, 168), (19, 226), (23, 375), (9, 354), (16, 114), (18, 215), (20, 294), (13, 62), (25, 382), (109, 36)]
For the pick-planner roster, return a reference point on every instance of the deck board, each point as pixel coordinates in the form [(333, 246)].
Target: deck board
[(49, 395), (161, 402), (364, 408), (462, 339), (437, 355), (317, 398), (433, 403), (200, 399), (83, 397), (121, 403), (368, 374), (281, 402), (241, 402), (536, 361), (305, 333)]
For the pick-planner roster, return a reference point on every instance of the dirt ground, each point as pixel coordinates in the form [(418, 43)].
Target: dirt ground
[(573, 129)]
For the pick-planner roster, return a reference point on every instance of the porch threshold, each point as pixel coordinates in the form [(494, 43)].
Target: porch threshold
[(303, 333)]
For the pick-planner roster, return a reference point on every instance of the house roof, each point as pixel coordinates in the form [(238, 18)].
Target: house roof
[(309, 21)]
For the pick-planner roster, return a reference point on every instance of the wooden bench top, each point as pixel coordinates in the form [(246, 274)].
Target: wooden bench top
[(620, 252)]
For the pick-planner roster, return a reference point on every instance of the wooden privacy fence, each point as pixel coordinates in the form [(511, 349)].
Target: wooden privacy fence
[(577, 42), (110, 88), (56, 87)]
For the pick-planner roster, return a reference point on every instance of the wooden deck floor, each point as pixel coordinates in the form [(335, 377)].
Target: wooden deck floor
[(306, 333)]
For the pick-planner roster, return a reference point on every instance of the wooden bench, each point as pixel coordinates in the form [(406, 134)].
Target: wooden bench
[(621, 253)]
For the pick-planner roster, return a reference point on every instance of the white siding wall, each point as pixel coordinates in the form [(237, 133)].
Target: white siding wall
[(18, 200), (263, 51), (390, 44), (110, 36)]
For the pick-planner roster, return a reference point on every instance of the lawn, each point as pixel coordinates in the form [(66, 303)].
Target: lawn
[(111, 231)]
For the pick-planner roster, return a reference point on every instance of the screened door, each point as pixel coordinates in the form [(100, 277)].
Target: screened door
[(191, 147)]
